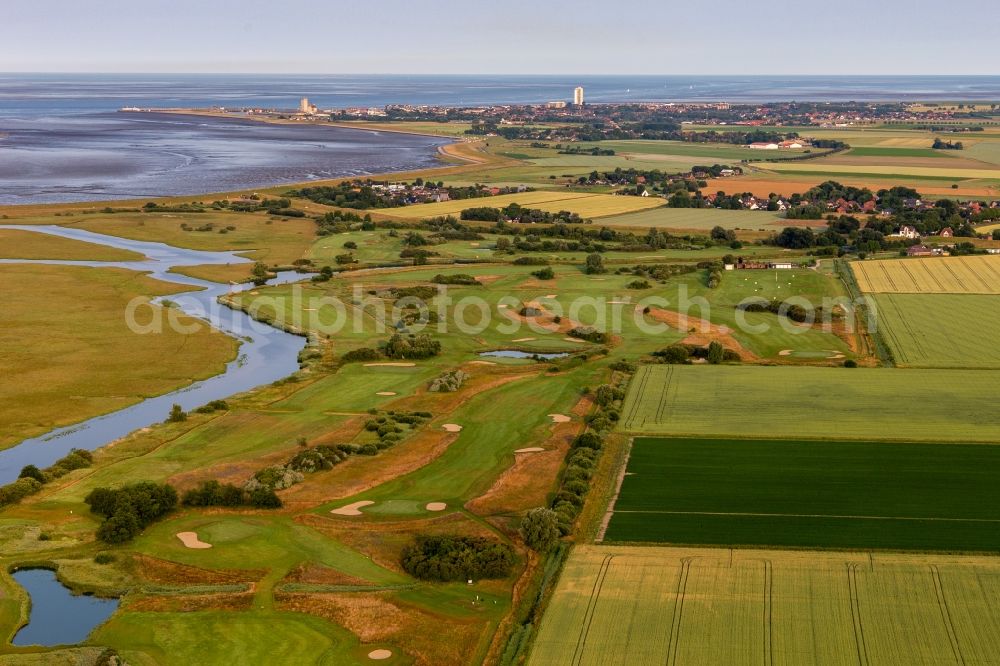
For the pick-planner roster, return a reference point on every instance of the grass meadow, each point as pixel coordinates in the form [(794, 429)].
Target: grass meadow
[(689, 606), (585, 204), (75, 361)]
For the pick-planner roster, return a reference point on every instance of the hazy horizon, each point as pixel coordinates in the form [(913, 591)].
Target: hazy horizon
[(780, 38)]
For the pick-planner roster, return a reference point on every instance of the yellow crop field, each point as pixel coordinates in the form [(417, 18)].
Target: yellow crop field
[(582, 203), (819, 166), (680, 606), (932, 275)]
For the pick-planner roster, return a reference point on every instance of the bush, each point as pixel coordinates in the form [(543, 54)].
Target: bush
[(176, 414), (540, 529), (362, 354), (544, 273), (675, 354), (850, 363), (590, 334), (15, 492), (104, 558), (457, 558), (31, 472), (716, 353), (458, 278), (263, 498), (588, 440)]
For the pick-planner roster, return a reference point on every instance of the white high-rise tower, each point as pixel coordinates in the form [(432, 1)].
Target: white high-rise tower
[(578, 96)]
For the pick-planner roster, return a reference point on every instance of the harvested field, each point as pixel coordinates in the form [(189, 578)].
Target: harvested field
[(702, 219), (976, 274), (714, 606), (583, 203)]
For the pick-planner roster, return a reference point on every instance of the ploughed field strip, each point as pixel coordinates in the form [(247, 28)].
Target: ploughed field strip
[(940, 330), (827, 403), (977, 274), (691, 606), (810, 494)]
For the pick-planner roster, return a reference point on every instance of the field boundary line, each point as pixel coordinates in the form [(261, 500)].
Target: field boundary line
[(610, 512), (859, 629), (811, 515), (949, 625), (768, 614), (675, 621), (588, 617)]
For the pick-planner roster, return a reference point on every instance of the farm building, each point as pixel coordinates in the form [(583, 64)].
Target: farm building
[(919, 251), (762, 145)]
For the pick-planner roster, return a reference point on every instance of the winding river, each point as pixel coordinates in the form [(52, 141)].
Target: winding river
[(266, 354)]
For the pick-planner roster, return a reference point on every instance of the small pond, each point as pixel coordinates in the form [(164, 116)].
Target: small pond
[(511, 353), (58, 617)]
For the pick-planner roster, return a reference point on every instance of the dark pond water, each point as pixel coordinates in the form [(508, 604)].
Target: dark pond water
[(58, 617), (510, 353)]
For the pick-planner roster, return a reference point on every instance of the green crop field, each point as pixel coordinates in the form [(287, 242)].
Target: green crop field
[(889, 151), (942, 172), (702, 219), (832, 403), (688, 607), (810, 494), (940, 330)]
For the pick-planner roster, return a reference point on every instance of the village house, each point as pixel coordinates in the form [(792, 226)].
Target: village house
[(907, 231), (947, 232)]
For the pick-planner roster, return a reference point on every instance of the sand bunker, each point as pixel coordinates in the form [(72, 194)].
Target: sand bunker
[(502, 306), (785, 352), (551, 296), (436, 506), (390, 365), (385, 393), (579, 342), (481, 363), (559, 418), (352, 509), (452, 427), (530, 449), (378, 655), (191, 540), (523, 340)]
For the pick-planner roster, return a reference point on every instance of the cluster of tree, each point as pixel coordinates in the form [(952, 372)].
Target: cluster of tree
[(130, 509), (456, 278), (793, 311), (683, 354), (575, 482), (391, 427), (457, 558), (596, 151), (659, 272), (341, 222), (213, 493), (411, 346), (947, 145), (594, 264), (517, 213), (714, 277), (449, 382), (31, 478), (590, 334)]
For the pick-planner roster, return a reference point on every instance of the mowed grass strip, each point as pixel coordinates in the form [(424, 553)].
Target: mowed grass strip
[(20, 244), (583, 203), (810, 494), (940, 330), (977, 274), (813, 402), (655, 605)]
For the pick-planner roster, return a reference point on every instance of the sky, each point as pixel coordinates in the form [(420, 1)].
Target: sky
[(736, 37)]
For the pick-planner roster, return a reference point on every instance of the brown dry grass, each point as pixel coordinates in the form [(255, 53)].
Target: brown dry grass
[(378, 618), (155, 570), (317, 574), (189, 603), (703, 333)]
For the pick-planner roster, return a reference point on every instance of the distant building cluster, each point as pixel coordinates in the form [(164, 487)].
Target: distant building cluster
[(306, 107)]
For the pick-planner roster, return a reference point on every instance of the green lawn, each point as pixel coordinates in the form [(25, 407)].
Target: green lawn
[(810, 494)]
